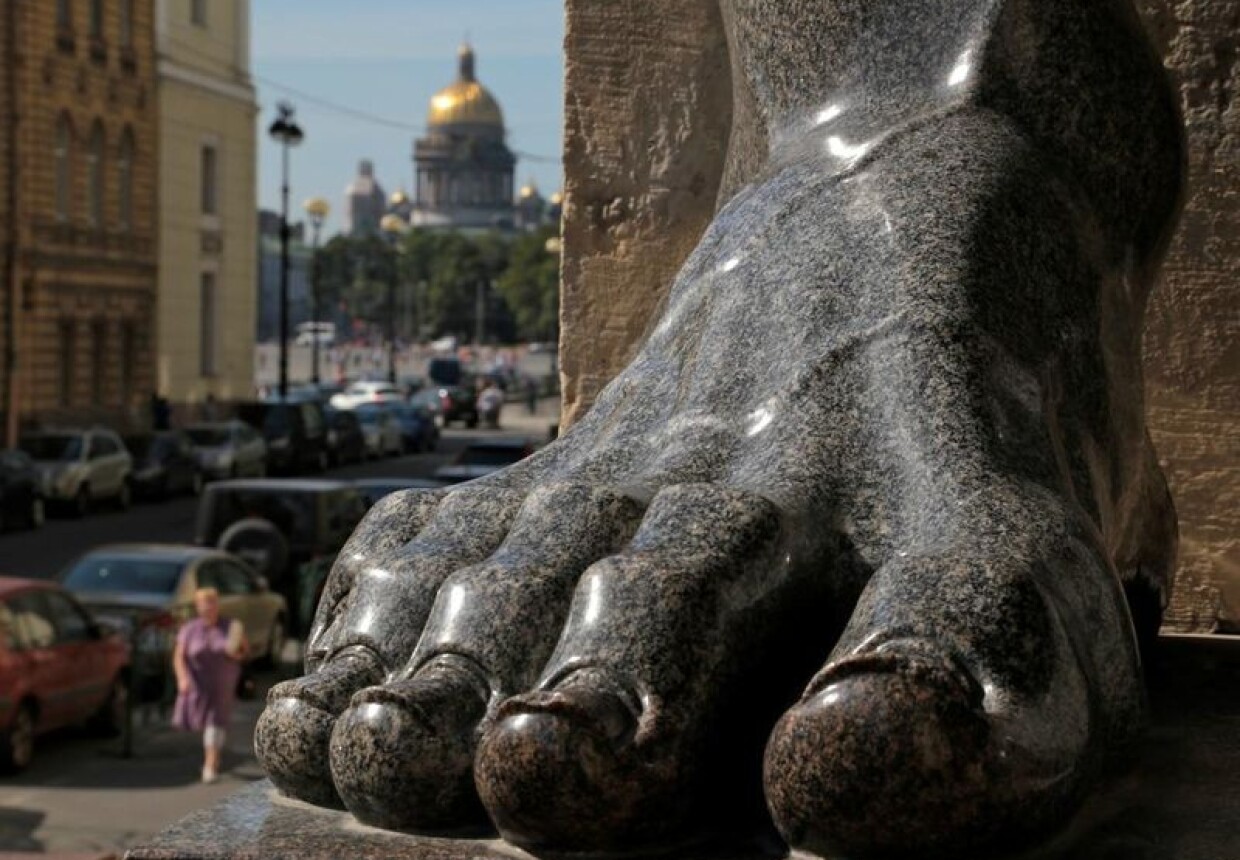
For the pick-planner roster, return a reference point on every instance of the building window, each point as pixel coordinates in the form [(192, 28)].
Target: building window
[(198, 12), (64, 15), (96, 19), (129, 361), (207, 333), (124, 176), (67, 360), (209, 171), (64, 166), (98, 360), (94, 176), (127, 24)]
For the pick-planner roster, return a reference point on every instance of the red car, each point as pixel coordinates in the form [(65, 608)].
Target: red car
[(58, 667)]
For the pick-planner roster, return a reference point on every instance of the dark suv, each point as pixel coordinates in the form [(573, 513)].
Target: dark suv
[(295, 433), (289, 530)]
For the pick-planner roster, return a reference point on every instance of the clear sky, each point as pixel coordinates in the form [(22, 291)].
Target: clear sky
[(387, 58)]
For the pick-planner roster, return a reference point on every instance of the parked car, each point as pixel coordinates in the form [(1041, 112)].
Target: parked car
[(148, 591), (445, 370), (418, 430), (229, 449), (374, 489), (313, 519), (21, 490), (164, 463), (430, 400), (482, 458), (80, 467), (367, 391), (346, 442), (456, 403), (58, 667), (381, 430), (295, 433)]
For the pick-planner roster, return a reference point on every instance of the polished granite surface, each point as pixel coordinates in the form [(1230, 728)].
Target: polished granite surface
[(1177, 802)]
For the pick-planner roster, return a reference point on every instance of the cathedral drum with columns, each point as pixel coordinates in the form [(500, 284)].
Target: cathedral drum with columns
[(464, 168)]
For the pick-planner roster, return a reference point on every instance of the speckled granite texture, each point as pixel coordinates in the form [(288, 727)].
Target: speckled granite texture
[(846, 548), (1173, 802)]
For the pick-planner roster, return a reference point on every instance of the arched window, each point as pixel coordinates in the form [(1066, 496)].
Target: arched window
[(94, 175), (124, 176), (63, 155)]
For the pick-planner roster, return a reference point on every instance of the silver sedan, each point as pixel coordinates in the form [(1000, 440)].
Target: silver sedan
[(229, 449)]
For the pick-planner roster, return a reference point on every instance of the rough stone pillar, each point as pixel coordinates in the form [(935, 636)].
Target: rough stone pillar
[(647, 117), (1192, 335)]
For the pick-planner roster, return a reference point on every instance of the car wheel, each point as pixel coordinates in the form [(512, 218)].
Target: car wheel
[(37, 514), (17, 744), (275, 643), (110, 717), (81, 501), (125, 497)]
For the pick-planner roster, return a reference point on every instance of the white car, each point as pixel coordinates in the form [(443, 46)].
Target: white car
[(229, 449), (381, 430), (359, 393), (79, 467)]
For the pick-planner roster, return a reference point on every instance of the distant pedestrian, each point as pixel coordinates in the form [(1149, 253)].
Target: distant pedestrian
[(210, 409), (531, 394), (161, 412), (207, 663)]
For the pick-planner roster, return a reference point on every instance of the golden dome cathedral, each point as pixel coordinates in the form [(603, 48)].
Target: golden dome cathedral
[(465, 101)]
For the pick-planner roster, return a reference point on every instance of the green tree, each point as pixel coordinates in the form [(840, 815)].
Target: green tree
[(441, 273), (531, 286)]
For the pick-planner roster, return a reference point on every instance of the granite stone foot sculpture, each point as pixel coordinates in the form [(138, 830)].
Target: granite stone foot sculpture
[(856, 528)]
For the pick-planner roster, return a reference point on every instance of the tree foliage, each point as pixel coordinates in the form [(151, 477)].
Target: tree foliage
[(443, 275)]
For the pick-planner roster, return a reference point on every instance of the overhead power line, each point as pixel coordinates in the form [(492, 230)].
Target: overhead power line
[(344, 110)]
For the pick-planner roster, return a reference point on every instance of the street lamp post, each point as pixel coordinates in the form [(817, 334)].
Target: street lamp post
[(394, 227), (317, 210), (288, 134)]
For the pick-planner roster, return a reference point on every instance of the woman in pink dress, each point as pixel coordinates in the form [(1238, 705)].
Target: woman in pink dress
[(207, 662)]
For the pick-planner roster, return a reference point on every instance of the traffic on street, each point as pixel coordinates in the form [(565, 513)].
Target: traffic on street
[(130, 573)]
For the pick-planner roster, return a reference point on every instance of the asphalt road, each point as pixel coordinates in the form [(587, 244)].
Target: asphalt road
[(44, 553)]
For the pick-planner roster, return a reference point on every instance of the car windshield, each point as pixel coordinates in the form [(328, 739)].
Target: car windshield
[(139, 446), (209, 437), (275, 422), (53, 447), (123, 573)]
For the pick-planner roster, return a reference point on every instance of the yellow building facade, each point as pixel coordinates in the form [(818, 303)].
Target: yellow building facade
[(78, 159), (208, 229)]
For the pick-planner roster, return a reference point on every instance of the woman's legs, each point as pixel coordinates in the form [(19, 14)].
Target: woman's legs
[(212, 744)]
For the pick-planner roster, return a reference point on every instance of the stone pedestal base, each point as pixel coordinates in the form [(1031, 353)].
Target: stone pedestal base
[(1176, 802)]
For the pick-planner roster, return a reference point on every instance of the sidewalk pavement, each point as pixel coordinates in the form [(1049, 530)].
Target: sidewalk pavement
[(81, 797), (515, 418)]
